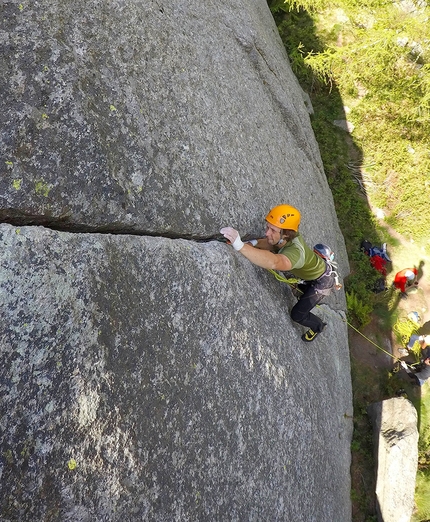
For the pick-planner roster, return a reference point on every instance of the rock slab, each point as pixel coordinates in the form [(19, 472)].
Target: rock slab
[(396, 451)]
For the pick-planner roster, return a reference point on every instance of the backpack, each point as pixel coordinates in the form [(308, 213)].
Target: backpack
[(327, 254), (366, 246), (380, 286)]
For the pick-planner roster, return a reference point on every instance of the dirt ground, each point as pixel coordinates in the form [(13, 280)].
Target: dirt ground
[(404, 254)]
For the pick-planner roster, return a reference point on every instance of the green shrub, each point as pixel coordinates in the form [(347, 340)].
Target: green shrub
[(291, 5), (359, 313)]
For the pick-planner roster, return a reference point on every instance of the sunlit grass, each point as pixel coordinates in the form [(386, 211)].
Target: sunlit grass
[(422, 488)]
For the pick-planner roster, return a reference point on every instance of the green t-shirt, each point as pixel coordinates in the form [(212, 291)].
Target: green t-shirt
[(306, 264)]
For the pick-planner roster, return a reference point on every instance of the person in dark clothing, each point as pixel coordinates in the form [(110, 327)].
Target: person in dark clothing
[(284, 249), (422, 375), (424, 344)]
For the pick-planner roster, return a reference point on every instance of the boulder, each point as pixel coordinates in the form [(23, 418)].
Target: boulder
[(396, 453)]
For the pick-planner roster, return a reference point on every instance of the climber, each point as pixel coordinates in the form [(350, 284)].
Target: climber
[(421, 375), (404, 279), (284, 249)]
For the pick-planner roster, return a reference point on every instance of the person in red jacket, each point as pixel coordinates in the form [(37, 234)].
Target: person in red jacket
[(404, 279)]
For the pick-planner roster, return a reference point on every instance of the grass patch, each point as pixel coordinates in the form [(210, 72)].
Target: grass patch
[(422, 488), (422, 496)]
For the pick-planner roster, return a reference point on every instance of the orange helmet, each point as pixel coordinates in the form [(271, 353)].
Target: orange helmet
[(284, 216)]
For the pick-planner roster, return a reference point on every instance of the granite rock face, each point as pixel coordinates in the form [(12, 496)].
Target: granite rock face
[(149, 372), (396, 451), (140, 360), (140, 116)]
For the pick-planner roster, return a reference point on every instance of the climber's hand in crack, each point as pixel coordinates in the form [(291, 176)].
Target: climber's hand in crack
[(233, 236), (263, 258)]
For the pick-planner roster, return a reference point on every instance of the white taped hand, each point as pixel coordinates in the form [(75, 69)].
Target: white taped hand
[(233, 236)]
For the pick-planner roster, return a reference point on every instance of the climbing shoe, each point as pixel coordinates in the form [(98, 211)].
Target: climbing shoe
[(310, 335)]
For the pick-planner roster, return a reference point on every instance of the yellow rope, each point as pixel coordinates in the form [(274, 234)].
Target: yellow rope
[(377, 346), (370, 340), (282, 279), (405, 327)]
